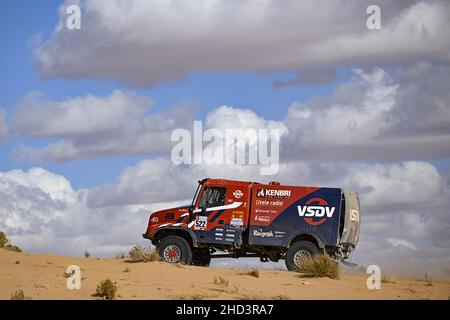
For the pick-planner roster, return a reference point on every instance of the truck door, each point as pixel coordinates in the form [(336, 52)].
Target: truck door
[(221, 214)]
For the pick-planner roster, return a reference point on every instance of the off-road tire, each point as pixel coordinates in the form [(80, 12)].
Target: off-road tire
[(298, 247), (178, 245)]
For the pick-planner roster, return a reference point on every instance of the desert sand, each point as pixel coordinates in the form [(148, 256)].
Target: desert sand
[(42, 276)]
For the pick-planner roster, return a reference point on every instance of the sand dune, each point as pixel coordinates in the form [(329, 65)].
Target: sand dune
[(41, 276)]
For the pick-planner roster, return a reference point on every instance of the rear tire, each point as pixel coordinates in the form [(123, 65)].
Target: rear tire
[(297, 252), (175, 249)]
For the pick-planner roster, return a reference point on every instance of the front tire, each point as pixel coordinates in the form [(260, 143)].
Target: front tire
[(299, 251), (175, 249)]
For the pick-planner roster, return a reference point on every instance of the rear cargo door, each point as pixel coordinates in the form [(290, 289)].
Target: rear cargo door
[(350, 234)]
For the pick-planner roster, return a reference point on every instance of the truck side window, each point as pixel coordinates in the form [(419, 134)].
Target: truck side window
[(213, 197)]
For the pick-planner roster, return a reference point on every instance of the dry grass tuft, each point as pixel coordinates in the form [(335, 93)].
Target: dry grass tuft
[(19, 295), (222, 282), (428, 280), (252, 296), (106, 290), (253, 273), (320, 266), (281, 297), (120, 256), (387, 279), (140, 254), (69, 274), (5, 244), (195, 296)]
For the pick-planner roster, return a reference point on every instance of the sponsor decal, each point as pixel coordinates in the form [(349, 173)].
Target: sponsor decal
[(262, 218), (236, 222), (262, 234), (268, 211), (154, 219), (273, 193), (201, 222), (274, 203), (280, 234), (354, 215), (238, 194), (319, 209)]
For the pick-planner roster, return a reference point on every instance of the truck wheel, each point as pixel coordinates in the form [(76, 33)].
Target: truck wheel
[(201, 258), (298, 252), (175, 250)]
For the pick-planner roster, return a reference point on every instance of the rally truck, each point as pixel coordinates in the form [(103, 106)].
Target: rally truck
[(236, 219)]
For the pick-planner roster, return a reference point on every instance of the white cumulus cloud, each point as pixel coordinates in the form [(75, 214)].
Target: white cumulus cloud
[(149, 42), (377, 115), (94, 126)]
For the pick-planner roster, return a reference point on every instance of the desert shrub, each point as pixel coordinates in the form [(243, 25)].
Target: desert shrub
[(120, 256), (281, 297), (69, 274), (195, 296), (140, 254), (87, 254), (254, 273), (106, 289), (126, 269), (319, 266), (428, 280), (5, 244), (221, 281), (19, 295), (387, 279), (3, 240), (252, 296), (13, 248)]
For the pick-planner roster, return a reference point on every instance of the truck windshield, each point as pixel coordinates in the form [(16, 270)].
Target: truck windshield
[(213, 197)]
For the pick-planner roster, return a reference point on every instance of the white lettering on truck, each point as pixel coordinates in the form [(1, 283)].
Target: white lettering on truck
[(315, 211), (273, 193)]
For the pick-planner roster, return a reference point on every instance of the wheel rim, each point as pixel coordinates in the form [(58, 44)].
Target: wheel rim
[(172, 253), (301, 256)]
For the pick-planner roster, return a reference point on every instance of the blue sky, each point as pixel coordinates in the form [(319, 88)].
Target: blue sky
[(205, 91)]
